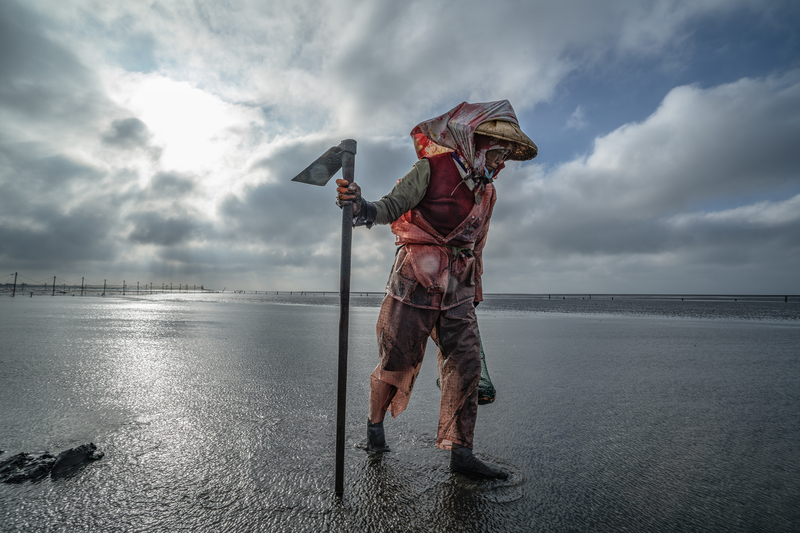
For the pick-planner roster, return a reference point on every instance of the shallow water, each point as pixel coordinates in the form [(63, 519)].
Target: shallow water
[(217, 413)]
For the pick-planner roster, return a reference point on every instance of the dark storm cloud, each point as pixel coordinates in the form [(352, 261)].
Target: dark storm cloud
[(275, 213), (379, 162), (769, 223), (60, 239), (44, 223), (127, 133), (62, 206), (289, 227), (33, 168), (41, 81), (172, 184), (55, 208), (163, 230), (119, 122), (282, 211)]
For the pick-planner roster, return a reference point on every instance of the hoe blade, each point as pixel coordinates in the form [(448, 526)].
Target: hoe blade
[(322, 170)]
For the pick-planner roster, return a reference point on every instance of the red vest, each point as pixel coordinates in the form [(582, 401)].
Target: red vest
[(440, 268), (448, 200)]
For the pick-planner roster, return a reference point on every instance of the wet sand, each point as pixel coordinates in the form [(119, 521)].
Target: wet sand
[(220, 416)]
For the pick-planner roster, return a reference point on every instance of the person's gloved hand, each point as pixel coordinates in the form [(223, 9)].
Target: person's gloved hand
[(348, 195)]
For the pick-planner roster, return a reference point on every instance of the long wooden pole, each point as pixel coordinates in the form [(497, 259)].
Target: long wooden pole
[(348, 147)]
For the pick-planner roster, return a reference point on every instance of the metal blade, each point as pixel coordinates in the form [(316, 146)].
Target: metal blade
[(323, 169)]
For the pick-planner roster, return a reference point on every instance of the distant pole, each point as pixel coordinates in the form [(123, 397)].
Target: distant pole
[(137, 288), (104, 287), (170, 287), (179, 287), (54, 285), (123, 287), (14, 292), (82, 281)]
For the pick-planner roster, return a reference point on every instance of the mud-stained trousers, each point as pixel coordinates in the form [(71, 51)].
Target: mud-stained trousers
[(403, 332)]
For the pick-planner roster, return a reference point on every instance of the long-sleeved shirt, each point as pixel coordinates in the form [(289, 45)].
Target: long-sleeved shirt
[(405, 195), (410, 190)]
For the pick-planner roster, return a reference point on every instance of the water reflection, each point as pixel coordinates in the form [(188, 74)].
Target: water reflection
[(220, 415)]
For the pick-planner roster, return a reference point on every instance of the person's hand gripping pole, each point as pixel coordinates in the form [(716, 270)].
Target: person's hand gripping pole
[(348, 194)]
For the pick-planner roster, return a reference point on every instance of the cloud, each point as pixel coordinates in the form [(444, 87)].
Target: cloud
[(127, 133), (652, 189), (154, 228), (756, 225), (161, 137), (368, 67), (46, 91), (699, 145), (171, 185), (60, 239), (577, 120)]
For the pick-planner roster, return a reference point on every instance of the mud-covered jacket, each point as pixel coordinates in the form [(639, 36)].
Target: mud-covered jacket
[(436, 271)]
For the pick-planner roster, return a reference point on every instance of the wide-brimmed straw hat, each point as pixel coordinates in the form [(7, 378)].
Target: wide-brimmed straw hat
[(524, 148)]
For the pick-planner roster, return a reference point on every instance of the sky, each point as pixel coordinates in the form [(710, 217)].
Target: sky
[(155, 141)]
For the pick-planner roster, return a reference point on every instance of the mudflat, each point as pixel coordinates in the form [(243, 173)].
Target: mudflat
[(218, 413)]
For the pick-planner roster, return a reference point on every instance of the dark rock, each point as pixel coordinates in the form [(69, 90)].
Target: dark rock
[(70, 461), (9, 467), (29, 467), (25, 467)]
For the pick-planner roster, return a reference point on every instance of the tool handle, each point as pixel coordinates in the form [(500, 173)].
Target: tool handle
[(348, 147)]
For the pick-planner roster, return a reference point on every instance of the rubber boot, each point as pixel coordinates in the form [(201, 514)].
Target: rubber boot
[(463, 462), (376, 440)]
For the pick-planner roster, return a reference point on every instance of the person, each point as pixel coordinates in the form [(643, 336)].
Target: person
[(439, 213)]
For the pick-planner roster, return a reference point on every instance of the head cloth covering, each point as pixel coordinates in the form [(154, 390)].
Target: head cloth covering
[(455, 131)]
